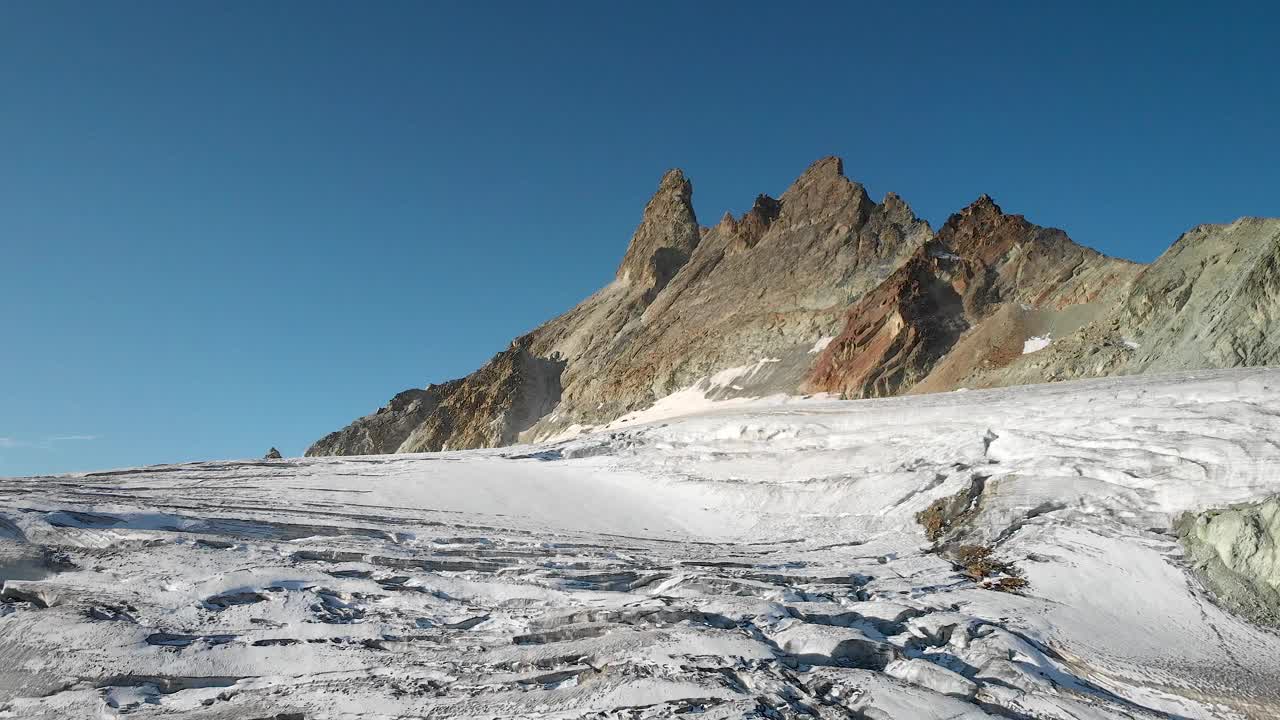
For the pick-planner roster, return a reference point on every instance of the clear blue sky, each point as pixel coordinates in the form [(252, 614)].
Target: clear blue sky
[(231, 225)]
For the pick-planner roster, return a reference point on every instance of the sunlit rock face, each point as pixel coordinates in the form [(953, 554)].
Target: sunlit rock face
[(824, 290)]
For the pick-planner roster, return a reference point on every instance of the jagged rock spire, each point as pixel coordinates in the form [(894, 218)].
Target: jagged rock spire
[(667, 235), (755, 222), (897, 210), (924, 310), (824, 185), (827, 167)]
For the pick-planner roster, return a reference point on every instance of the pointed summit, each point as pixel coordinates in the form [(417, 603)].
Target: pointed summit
[(674, 178), (823, 173), (757, 220), (897, 209), (982, 211), (983, 231), (827, 167), (667, 235), (984, 203), (824, 185)]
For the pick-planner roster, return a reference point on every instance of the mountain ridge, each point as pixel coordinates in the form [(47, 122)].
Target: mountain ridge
[(901, 308)]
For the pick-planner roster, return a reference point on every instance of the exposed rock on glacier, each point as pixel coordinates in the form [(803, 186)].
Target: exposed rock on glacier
[(1237, 552)]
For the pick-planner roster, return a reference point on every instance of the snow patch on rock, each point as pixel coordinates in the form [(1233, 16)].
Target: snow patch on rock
[(1035, 344), (821, 344)]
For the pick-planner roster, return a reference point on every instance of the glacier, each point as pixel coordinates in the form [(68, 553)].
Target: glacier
[(752, 559)]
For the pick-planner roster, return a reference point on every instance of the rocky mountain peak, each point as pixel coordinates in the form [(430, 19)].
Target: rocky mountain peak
[(983, 232), (900, 308), (897, 210), (667, 235), (764, 206), (674, 179), (827, 168), (823, 189), (819, 179), (984, 203), (984, 210), (756, 221)]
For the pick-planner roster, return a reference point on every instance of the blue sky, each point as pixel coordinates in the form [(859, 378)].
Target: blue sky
[(226, 226)]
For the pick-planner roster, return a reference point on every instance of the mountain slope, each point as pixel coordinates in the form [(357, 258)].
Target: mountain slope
[(768, 284), (981, 262), (825, 290), (1211, 300)]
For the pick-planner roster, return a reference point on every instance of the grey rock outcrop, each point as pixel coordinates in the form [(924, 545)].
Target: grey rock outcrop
[(1211, 300), (488, 408), (1236, 553), (386, 430), (273, 454)]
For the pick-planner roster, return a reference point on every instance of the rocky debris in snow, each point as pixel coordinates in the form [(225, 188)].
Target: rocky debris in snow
[(980, 564), (945, 514)]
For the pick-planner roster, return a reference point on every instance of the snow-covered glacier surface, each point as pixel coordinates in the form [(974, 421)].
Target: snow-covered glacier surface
[(752, 561)]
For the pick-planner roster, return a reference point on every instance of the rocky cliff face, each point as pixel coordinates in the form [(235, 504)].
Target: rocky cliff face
[(1212, 300), (763, 286), (385, 430), (667, 236), (981, 268), (487, 408), (825, 290)]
